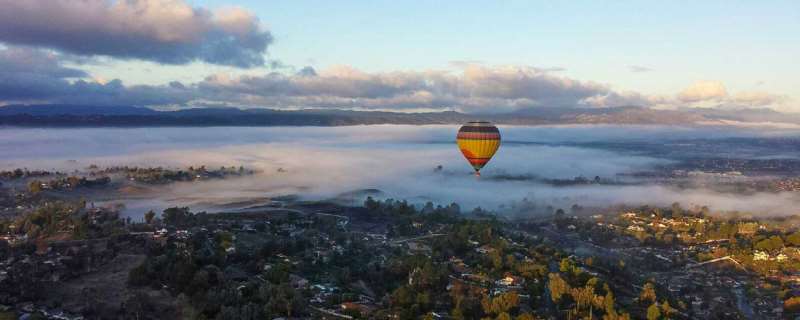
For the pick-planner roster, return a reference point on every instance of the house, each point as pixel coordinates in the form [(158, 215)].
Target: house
[(629, 215), (361, 308), (458, 265), (416, 247), (510, 281), (298, 282), (658, 225), (478, 278), (485, 249), (759, 255), (635, 228)]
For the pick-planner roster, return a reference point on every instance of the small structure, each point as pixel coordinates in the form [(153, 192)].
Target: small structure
[(759, 255)]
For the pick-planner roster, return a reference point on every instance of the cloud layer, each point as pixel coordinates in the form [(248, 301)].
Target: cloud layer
[(324, 162), (473, 88), (714, 93), (40, 76), (164, 31), (31, 75)]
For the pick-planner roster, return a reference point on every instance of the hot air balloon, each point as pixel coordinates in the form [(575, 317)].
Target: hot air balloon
[(478, 141)]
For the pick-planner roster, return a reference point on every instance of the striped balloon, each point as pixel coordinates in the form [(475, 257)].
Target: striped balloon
[(478, 141)]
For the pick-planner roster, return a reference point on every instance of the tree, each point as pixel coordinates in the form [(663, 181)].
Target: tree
[(653, 313), (35, 186), (525, 316), (371, 204), (792, 304), (667, 310), (177, 216), (500, 304), (794, 239), (584, 297), (772, 243), (677, 211), (608, 301), (648, 293), (74, 181), (428, 208), (558, 287), (148, 217), (567, 266)]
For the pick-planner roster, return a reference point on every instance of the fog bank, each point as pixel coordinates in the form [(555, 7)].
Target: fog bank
[(323, 162)]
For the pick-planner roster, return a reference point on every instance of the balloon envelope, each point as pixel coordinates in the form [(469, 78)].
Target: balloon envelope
[(478, 141)]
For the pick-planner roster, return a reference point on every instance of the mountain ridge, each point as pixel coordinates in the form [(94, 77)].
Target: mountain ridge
[(113, 116)]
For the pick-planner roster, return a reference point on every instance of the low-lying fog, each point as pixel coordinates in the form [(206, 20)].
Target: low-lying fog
[(322, 162)]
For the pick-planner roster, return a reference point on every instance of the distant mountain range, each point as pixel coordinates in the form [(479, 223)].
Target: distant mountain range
[(91, 116)]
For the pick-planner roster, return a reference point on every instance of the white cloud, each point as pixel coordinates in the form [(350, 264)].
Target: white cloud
[(703, 91), (757, 98), (29, 75), (639, 69), (165, 31)]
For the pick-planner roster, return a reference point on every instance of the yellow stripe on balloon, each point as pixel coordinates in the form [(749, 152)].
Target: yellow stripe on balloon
[(479, 148)]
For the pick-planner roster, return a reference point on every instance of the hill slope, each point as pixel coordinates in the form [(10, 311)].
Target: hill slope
[(77, 116)]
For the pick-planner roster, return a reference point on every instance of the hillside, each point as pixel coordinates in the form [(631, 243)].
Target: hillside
[(93, 116)]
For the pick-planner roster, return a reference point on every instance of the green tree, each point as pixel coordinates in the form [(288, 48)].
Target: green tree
[(371, 204), (148, 217), (176, 216), (35, 186), (653, 312), (794, 239), (567, 266), (666, 309), (772, 243)]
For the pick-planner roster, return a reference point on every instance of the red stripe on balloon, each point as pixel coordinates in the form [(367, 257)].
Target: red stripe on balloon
[(478, 135)]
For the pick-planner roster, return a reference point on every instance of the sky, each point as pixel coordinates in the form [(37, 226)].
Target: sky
[(401, 55)]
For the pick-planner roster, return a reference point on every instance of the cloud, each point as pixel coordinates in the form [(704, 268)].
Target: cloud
[(624, 98), (35, 75), (307, 72), (757, 98), (639, 69), (26, 60), (164, 31), (474, 88), (714, 94), (115, 93), (30, 75), (703, 91)]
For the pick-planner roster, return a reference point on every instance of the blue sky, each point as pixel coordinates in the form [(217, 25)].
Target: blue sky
[(408, 54), (746, 44)]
